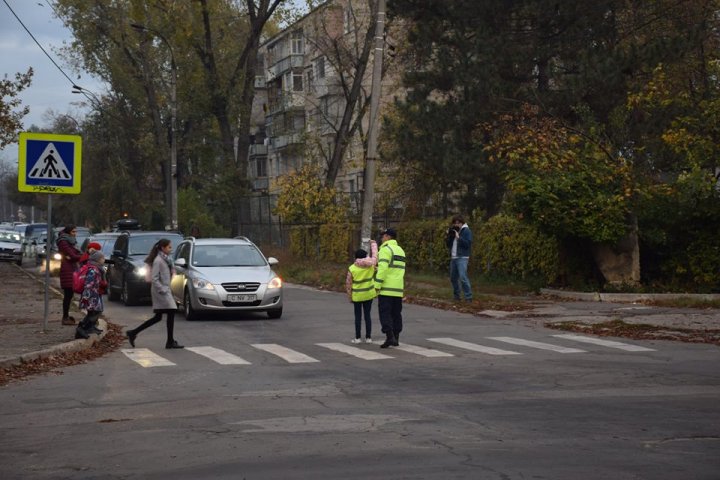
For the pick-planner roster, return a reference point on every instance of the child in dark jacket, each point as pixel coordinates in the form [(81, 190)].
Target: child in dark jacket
[(361, 289)]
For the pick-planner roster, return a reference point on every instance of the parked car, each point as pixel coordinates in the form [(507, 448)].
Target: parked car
[(126, 272), (11, 249), (225, 275)]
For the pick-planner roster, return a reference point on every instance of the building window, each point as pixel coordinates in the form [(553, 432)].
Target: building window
[(348, 19), (298, 44), (261, 167), (297, 78), (320, 67)]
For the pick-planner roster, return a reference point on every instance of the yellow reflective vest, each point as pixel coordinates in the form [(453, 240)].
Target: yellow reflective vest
[(362, 283), (390, 276)]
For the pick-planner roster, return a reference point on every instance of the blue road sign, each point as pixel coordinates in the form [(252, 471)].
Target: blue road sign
[(49, 163)]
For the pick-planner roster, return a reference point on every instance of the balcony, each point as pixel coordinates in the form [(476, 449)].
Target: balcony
[(282, 141), (287, 102), (257, 150), (260, 184), (287, 63)]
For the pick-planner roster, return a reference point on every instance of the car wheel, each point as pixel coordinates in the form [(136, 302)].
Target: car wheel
[(275, 313), (125, 295), (190, 313)]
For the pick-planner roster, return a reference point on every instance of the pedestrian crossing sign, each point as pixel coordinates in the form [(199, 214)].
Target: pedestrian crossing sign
[(49, 163)]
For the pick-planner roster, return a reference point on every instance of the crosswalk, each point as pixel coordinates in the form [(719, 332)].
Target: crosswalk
[(147, 358)]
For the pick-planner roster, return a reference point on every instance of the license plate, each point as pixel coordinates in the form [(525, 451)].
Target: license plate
[(241, 298)]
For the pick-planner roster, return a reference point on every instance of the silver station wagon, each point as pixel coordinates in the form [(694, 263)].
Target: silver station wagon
[(225, 275)]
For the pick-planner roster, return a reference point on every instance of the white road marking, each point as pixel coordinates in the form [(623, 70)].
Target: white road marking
[(473, 346), (354, 351), (146, 358), (606, 343), (290, 356), (425, 352), (540, 345), (220, 356)]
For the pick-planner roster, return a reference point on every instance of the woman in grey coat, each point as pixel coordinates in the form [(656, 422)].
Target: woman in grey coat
[(162, 299)]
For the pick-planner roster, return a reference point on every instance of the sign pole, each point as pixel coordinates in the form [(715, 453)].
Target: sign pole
[(49, 163), (48, 241)]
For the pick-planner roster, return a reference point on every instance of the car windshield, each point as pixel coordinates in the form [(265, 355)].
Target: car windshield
[(12, 237), (227, 256), (141, 244)]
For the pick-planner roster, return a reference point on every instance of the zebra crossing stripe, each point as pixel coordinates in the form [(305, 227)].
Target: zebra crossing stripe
[(425, 352), (290, 356), (606, 343), (473, 346), (146, 358), (220, 356), (354, 351), (540, 345)]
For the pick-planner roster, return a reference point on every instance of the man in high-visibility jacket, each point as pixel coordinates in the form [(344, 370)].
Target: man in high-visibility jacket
[(390, 283)]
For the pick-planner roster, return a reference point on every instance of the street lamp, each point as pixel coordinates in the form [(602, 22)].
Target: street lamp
[(172, 171)]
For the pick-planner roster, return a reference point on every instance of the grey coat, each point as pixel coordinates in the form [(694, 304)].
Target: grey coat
[(162, 298)]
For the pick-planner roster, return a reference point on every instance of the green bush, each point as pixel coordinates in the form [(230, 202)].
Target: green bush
[(330, 242), (504, 245)]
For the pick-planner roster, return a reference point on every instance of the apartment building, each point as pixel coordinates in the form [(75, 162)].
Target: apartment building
[(302, 96)]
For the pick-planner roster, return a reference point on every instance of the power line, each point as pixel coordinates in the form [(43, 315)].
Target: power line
[(38, 43)]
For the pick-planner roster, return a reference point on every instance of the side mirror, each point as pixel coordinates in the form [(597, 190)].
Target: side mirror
[(180, 262), (272, 261)]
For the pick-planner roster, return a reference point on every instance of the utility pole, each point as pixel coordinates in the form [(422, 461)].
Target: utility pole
[(369, 182)]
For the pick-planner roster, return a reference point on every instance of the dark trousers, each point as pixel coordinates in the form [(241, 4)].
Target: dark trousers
[(91, 318), (67, 300), (155, 319), (390, 310), (360, 308)]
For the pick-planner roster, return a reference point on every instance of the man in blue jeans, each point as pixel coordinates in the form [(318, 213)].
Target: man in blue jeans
[(459, 241)]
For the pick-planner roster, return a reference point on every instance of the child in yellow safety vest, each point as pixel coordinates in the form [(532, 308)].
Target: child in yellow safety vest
[(360, 287)]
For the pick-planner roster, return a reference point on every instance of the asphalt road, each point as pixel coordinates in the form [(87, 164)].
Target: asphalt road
[(288, 403)]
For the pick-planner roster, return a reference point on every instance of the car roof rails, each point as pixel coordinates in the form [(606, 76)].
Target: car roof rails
[(241, 237)]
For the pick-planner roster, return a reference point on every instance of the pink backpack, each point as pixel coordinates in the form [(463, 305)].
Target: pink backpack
[(79, 278)]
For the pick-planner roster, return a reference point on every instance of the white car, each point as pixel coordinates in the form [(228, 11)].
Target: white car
[(11, 248), (225, 275)]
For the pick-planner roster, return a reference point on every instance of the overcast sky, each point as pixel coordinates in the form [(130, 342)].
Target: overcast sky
[(49, 89)]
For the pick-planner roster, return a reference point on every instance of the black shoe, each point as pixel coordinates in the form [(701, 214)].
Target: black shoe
[(389, 341), (174, 344), (131, 337), (397, 340), (81, 333)]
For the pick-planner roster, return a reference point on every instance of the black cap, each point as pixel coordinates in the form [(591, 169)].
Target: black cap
[(360, 253), (389, 232)]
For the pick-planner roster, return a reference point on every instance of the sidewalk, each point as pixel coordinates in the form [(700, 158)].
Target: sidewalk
[(22, 337)]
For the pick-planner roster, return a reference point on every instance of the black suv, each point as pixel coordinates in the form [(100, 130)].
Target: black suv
[(126, 272)]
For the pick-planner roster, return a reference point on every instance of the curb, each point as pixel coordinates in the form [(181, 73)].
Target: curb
[(627, 297), (67, 347)]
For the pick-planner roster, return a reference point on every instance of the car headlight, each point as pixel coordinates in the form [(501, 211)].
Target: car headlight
[(202, 284), (17, 250), (57, 256), (275, 283), (141, 271)]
